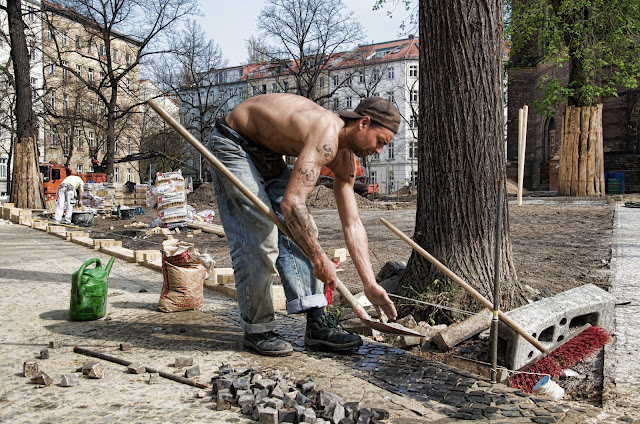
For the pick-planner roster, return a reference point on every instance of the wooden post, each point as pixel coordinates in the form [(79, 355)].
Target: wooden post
[(523, 114)]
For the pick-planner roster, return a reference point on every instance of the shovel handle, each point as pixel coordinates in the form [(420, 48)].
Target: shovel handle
[(207, 154)]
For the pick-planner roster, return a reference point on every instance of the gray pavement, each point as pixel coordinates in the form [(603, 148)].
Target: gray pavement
[(622, 372), (35, 276)]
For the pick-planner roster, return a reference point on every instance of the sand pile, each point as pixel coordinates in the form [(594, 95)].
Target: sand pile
[(203, 195)]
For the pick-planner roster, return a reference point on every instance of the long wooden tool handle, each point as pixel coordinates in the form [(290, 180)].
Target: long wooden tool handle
[(113, 359), (473, 292), (207, 154)]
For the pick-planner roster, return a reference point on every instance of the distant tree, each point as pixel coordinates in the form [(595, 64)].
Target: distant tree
[(190, 74), (461, 152), (26, 187), (256, 50), (305, 34), (145, 23)]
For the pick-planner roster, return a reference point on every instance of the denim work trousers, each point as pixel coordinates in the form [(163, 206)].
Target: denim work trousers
[(257, 247)]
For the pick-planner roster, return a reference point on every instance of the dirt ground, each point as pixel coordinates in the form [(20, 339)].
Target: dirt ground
[(557, 244)]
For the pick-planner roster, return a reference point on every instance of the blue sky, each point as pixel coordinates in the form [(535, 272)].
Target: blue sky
[(231, 22)]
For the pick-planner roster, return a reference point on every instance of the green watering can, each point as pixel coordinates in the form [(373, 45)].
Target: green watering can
[(89, 291)]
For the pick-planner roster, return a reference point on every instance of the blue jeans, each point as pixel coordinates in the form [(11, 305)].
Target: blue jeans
[(257, 247)]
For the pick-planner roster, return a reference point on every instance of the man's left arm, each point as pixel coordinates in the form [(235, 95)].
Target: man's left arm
[(357, 241)]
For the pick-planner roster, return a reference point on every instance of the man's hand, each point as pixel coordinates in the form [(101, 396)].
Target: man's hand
[(325, 271), (378, 297)]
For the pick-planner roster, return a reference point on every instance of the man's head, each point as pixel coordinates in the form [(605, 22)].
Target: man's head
[(381, 112)]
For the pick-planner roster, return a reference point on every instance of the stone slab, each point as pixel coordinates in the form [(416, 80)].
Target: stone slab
[(119, 252)]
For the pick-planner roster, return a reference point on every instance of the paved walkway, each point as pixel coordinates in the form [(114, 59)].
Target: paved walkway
[(622, 372), (35, 282)]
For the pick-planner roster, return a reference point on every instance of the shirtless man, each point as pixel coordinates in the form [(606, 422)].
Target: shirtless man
[(250, 141)]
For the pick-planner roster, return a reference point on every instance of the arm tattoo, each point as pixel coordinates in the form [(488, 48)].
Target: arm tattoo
[(328, 151), (302, 230), (308, 176)]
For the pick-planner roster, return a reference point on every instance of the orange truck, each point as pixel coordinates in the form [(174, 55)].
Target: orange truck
[(360, 186), (53, 174)]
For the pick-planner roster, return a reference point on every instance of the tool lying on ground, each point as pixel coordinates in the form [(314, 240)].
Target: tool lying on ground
[(115, 360), (392, 328), (562, 356)]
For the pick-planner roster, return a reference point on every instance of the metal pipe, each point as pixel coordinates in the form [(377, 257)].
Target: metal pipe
[(116, 360), (473, 292), (496, 285)]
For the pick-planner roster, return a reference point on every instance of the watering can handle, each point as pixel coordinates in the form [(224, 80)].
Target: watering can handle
[(89, 262)]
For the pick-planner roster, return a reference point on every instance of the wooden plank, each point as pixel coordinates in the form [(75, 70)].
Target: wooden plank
[(575, 140), (582, 151), (207, 227), (592, 141), (601, 153)]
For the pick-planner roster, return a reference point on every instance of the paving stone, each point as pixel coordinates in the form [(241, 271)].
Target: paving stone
[(125, 347), (70, 380), (268, 416), (347, 420), (287, 416), (30, 369), (242, 383), (154, 378), (305, 415), (136, 368), (245, 399), (548, 419), (380, 414), (301, 399), (259, 395), (96, 371), (324, 399), (275, 403), (224, 400), (277, 392), (511, 413), (334, 412), (44, 353), (55, 344), (265, 383), (225, 369), (42, 379), (193, 371), (183, 361), (222, 384), (541, 412)]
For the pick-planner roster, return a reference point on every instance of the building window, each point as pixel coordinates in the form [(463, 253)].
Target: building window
[(375, 156), (413, 70), (78, 72), (274, 87), (116, 175), (413, 122), (127, 58), (321, 82), (65, 38), (3, 168), (374, 177), (336, 104), (101, 50), (52, 67), (115, 54), (115, 145), (34, 88), (264, 89), (390, 151), (413, 149), (53, 140), (79, 169), (52, 99), (90, 74), (91, 107), (127, 83), (65, 70), (104, 145), (66, 145), (414, 178), (390, 73), (349, 102), (129, 174), (361, 78), (336, 81), (51, 34), (414, 96), (390, 178), (78, 42), (92, 140), (90, 47), (65, 101), (78, 138), (32, 50), (128, 145)]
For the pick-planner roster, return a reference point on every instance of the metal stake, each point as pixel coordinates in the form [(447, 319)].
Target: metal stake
[(496, 286)]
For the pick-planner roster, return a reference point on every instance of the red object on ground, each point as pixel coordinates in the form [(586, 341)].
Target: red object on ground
[(566, 356)]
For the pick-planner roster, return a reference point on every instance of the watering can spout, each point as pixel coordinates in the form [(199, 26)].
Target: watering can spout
[(107, 270)]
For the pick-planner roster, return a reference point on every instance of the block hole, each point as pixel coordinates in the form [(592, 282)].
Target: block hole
[(547, 334), (581, 320), (534, 335), (530, 355), (563, 321), (560, 338)]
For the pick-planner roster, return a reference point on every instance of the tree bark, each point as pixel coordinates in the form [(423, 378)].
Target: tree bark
[(461, 150), (26, 188)]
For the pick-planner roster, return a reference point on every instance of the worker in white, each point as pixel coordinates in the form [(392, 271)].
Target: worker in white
[(67, 197)]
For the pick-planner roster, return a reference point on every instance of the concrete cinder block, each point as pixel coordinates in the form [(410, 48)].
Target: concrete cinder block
[(143, 255), (338, 254), (155, 265), (39, 225), (100, 243), (119, 252), (83, 241), (552, 320)]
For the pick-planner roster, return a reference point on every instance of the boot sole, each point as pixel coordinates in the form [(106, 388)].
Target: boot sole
[(332, 346), (255, 348)]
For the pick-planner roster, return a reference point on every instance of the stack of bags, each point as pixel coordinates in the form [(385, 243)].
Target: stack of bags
[(171, 199)]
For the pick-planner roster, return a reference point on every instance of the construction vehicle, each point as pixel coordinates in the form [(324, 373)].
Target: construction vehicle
[(361, 185), (53, 174)]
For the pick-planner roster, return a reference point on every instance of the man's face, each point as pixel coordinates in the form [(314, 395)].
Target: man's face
[(370, 139)]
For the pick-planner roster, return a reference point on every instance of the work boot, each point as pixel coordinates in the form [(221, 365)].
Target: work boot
[(326, 331), (268, 343)]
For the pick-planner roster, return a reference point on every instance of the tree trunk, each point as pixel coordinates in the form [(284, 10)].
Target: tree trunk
[(581, 170), (461, 150), (26, 188)]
